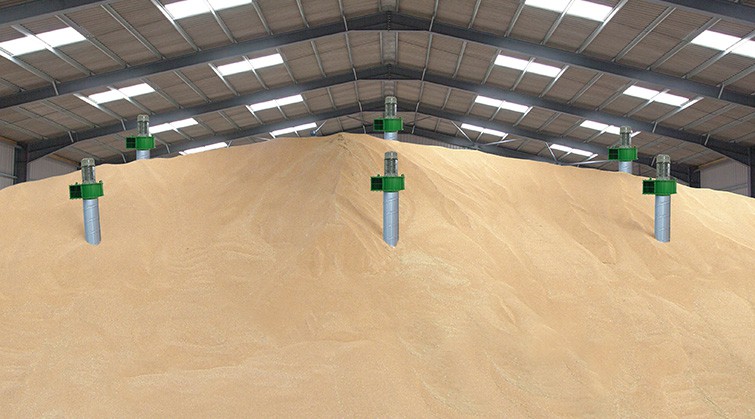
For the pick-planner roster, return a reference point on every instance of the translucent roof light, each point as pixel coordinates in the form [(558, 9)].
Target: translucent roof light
[(204, 148), (23, 45), (33, 43), (715, 40), (483, 100), (235, 68), (484, 130), (580, 8), (137, 90), (589, 10), (266, 61), (270, 104), (670, 99), (172, 126), (597, 126), (61, 37), (641, 92), (105, 97), (284, 131), (187, 8), (529, 67), (576, 151), (747, 49), (112, 95), (249, 65), (656, 96)]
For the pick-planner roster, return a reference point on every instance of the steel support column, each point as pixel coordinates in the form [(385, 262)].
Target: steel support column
[(21, 163)]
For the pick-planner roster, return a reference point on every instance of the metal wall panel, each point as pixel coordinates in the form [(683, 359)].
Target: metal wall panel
[(4, 182), (48, 167), (728, 176)]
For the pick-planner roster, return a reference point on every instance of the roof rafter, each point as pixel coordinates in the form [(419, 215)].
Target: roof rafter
[(681, 171), (732, 150), (44, 147), (380, 21)]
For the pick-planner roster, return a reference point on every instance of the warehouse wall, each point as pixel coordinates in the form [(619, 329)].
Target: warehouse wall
[(48, 167), (726, 175), (7, 159)]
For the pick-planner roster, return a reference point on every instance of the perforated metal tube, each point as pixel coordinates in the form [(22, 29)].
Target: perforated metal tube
[(92, 221), (626, 137), (390, 202), (391, 107), (142, 126), (91, 206), (663, 166), (663, 203), (663, 218)]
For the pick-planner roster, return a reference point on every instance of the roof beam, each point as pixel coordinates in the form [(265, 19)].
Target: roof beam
[(731, 150), (42, 148), (239, 49), (571, 58), (381, 21), (721, 8), (734, 151), (39, 9), (680, 171)]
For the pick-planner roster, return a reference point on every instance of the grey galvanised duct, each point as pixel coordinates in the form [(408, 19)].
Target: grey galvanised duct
[(142, 126), (663, 202), (626, 142), (91, 206)]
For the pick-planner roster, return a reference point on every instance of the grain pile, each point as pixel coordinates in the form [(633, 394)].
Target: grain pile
[(254, 281)]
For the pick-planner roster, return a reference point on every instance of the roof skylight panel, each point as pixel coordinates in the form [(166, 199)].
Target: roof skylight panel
[(249, 65), (576, 151), (188, 8), (656, 96), (514, 107), (747, 49), (641, 92), (715, 40), (297, 128), (173, 125), (25, 45), (529, 67), (39, 42), (126, 92), (580, 8), (60, 37), (722, 42), (203, 148), (270, 104), (235, 68), (670, 99), (484, 130)]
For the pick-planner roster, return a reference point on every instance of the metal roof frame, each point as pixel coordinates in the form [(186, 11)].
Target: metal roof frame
[(735, 151), (720, 8), (385, 21)]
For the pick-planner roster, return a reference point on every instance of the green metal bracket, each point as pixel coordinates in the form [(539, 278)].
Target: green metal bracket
[(86, 191), (659, 187), (622, 154), (387, 183), (140, 143), (388, 125)]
